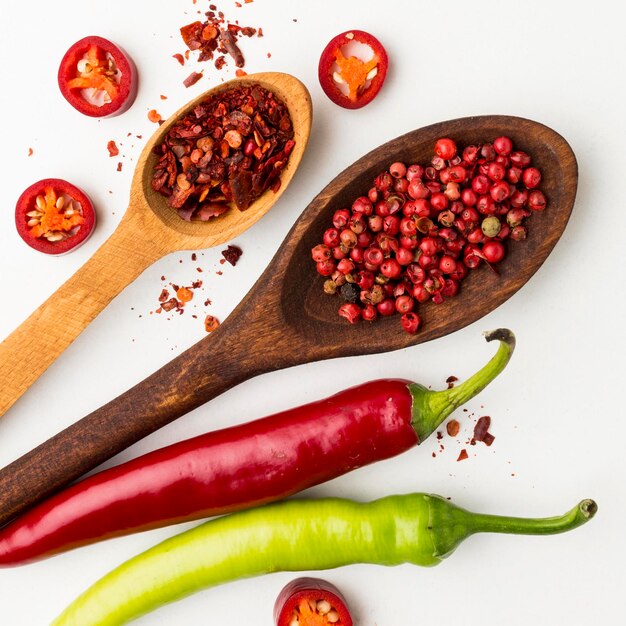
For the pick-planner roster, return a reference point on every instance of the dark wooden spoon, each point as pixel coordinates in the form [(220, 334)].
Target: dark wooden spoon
[(286, 320)]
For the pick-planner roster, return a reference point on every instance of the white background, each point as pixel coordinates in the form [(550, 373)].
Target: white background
[(557, 410)]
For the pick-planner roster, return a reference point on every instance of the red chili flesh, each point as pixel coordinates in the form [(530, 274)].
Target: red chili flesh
[(361, 79), (311, 602), (222, 471), (97, 78), (53, 216)]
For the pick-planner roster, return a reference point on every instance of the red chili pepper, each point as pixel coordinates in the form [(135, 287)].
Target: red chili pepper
[(244, 466), (97, 78), (311, 602), (53, 216), (361, 80)]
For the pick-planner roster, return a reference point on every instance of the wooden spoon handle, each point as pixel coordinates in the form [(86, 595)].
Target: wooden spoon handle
[(30, 349), (226, 357)]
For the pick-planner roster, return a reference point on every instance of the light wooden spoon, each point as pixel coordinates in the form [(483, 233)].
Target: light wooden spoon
[(286, 319), (148, 231)]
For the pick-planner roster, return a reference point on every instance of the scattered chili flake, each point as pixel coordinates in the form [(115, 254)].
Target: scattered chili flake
[(154, 116), (194, 256), (163, 97), (210, 323), (30, 152), (220, 62), (453, 427), (119, 166), (207, 302), (179, 57), (232, 254), (170, 304), (112, 148), (269, 55), (239, 72), (196, 284), (463, 455), (229, 150), (481, 431), (260, 32), (439, 435), (184, 294), (238, 5), (451, 380), (165, 294), (163, 278), (216, 35), (192, 79)]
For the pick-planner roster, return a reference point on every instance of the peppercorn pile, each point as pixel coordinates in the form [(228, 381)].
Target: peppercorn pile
[(230, 148), (419, 230)]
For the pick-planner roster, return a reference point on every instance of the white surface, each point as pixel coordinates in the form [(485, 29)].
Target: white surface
[(556, 411)]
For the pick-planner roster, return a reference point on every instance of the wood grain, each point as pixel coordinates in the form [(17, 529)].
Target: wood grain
[(149, 230), (285, 319)]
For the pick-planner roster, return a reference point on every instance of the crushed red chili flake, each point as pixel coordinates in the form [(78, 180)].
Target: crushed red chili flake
[(232, 254), (210, 323), (192, 79), (154, 116), (216, 35), (163, 97), (184, 295), (239, 73), (165, 294), (453, 427), (481, 431), (451, 380), (170, 304), (194, 256), (180, 58), (230, 149), (463, 455), (119, 166), (112, 148), (30, 152)]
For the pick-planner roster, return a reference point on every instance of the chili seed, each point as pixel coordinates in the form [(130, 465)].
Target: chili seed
[(323, 607)]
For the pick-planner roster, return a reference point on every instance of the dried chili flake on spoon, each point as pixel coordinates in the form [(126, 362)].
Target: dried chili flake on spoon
[(230, 149)]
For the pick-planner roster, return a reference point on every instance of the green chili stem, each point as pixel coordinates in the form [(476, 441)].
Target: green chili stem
[(438, 405), (581, 513)]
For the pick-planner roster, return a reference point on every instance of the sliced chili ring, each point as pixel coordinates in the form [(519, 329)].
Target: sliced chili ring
[(53, 216), (311, 602), (97, 78), (350, 81)]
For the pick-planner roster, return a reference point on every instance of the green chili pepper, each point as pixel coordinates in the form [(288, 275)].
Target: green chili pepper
[(291, 536)]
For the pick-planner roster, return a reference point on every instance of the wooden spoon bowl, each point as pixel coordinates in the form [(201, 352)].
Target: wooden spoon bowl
[(315, 316), (149, 230), (286, 319)]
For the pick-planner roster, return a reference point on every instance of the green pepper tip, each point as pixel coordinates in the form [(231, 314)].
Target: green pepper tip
[(431, 408), (588, 508), (501, 334)]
